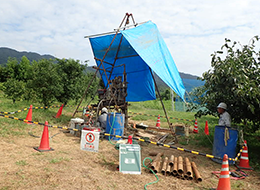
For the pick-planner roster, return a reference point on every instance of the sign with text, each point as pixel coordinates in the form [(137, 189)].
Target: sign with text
[(130, 158), (89, 140)]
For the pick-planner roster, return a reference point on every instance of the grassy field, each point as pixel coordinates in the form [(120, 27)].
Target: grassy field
[(147, 108), (70, 168)]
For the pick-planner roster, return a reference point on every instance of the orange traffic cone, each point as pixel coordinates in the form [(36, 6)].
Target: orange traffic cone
[(59, 112), (158, 124), (195, 130), (244, 161), (224, 178), (29, 115), (44, 145), (206, 128)]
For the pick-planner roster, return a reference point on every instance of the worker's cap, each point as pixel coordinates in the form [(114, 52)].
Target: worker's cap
[(222, 105), (104, 110)]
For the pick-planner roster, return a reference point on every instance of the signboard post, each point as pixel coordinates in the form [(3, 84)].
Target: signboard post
[(130, 158), (89, 140)]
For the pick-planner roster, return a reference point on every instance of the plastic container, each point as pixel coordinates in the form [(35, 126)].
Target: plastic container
[(117, 127), (219, 147), (74, 124)]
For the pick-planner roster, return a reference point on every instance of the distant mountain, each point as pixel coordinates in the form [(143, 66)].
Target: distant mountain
[(8, 52)]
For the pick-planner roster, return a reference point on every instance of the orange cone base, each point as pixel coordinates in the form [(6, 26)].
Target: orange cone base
[(43, 150)]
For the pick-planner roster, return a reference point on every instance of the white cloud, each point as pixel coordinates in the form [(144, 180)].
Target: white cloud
[(192, 30)]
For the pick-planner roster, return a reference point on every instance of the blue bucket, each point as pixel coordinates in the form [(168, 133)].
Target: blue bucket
[(117, 127), (219, 147)]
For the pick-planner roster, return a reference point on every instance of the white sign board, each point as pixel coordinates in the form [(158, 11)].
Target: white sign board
[(130, 158), (89, 140)]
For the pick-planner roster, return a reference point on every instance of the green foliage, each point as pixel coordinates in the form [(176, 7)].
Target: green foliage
[(235, 80), (11, 68), (46, 82), (166, 95), (71, 77), (14, 89)]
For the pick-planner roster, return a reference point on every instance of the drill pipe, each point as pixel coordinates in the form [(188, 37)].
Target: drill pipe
[(171, 160), (154, 165), (188, 166), (158, 165), (196, 172), (168, 169), (186, 176), (164, 166), (158, 156), (180, 165), (175, 166)]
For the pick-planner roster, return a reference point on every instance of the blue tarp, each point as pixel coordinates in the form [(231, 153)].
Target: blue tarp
[(141, 48)]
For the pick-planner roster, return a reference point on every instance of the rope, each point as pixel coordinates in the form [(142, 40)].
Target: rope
[(226, 137)]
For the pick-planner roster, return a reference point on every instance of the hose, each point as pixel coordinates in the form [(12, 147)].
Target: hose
[(151, 171), (114, 118)]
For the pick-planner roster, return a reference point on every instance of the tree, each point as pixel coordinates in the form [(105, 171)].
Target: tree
[(46, 81), (12, 68), (72, 77), (24, 70), (166, 95), (14, 89), (235, 80)]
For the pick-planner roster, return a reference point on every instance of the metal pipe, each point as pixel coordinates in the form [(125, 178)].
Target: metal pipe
[(113, 32), (175, 166), (180, 165), (188, 166), (158, 165), (168, 169), (157, 89), (164, 166), (171, 160), (196, 172), (154, 163)]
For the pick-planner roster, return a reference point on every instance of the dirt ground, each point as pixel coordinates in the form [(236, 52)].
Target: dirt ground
[(69, 167)]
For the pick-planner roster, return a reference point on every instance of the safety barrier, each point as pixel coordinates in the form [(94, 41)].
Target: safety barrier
[(42, 107), (45, 107), (134, 138)]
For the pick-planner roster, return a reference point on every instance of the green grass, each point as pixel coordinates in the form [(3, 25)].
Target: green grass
[(58, 160)]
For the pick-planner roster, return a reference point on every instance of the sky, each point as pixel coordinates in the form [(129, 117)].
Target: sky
[(192, 30)]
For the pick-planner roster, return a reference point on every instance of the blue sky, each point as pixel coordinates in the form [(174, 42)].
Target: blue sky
[(192, 30)]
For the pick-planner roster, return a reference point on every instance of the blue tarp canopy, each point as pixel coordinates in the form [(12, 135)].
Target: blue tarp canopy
[(138, 49)]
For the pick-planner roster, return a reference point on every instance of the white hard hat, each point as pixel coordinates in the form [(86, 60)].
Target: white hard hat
[(222, 105), (104, 110)]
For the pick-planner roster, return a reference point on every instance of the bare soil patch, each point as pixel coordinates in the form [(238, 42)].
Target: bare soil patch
[(68, 167)]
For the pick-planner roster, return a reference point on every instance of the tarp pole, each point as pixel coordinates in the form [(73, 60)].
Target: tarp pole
[(160, 99)]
